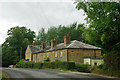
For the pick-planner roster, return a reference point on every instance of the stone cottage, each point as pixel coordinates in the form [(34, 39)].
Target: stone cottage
[(75, 51)]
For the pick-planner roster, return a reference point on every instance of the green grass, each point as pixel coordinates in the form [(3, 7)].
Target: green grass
[(106, 72), (4, 76)]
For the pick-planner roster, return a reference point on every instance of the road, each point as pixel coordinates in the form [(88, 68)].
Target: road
[(46, 74)]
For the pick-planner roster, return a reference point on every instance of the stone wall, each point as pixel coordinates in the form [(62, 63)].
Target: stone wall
[(77, 55), (39, 57), (28, 54)]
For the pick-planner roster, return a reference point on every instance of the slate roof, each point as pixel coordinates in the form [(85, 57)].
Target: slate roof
[(34, 48), (74, 45)]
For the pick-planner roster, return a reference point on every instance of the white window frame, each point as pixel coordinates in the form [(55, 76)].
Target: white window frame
[(43, 55), (56, 54), (61, 54), (47, 54)]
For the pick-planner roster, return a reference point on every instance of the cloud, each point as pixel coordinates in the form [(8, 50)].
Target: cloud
[(35, 15)]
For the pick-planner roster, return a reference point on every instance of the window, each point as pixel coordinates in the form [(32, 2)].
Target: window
[(72, 51), (95, 63), (38, 56), (47, 54), (55, 54), (61, 53), (43, 55)]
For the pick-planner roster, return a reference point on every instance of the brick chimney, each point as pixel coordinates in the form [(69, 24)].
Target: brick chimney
[(33, 43), (67, 39), (43, 45), (53, 42)]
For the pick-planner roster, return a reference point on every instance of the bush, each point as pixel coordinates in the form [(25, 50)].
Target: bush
[(103, 66), (59, 65), (38, 65), (29, 64), (21, 64), (46, 65), (66, 65), (46, 59), (56, 60), (82, 67)]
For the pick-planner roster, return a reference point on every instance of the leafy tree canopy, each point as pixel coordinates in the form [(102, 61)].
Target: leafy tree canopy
[(104, 23), (13, 49), (75, 30), (104, 29)]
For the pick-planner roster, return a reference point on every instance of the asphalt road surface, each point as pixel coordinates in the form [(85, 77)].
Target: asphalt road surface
[(46, 74)]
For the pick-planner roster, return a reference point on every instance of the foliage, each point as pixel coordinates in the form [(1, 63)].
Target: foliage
[(46, 59), (4, 76), (106, 72), (38, 65), (75, 30), (13, 49), (21, 64), (112, 60), (104, 29), (82, 67), (29, 64), (52, 65), (56, 60), (46, 65), (103, 67)]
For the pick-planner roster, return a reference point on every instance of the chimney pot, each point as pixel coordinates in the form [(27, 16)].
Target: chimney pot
[(33, 43), (43, 45), (67, 39), (55, 38), (67, 35), (53, 42)]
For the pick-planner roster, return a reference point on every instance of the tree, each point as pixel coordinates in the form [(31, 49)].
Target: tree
[(74, 30), (104, 28), (41, 36), (104, 21), (13, 49)]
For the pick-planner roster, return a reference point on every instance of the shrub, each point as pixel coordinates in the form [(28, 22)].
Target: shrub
[(38, 65), (66, 65), (46, 59), (56, 60), (82, 67), (29, 64), (52, 65), (21, 64), (46, 65)]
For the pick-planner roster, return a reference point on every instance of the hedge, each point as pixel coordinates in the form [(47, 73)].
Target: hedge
[(55, 65), (82, 67), (38, 65)]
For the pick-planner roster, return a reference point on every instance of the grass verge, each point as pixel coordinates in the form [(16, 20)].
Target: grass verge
[(4, 76), (106, 72)]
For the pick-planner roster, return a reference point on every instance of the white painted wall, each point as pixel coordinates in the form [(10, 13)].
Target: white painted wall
[(87, 61)]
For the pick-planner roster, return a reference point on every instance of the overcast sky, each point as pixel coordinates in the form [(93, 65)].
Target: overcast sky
[(36, 14)]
